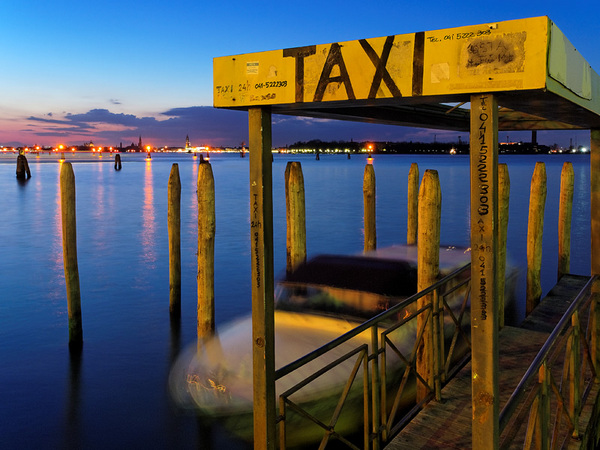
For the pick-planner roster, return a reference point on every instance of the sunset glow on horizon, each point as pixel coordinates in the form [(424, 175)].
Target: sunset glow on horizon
[(112, 71)]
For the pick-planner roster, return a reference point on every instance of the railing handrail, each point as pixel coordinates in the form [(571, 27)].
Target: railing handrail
[(287, 369), (532, 371)]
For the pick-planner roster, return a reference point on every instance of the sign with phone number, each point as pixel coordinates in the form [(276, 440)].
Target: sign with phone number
[(501, 56)]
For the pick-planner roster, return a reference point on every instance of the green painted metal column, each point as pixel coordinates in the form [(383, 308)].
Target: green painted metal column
[(484, 255), (595, 238), (261, 236)]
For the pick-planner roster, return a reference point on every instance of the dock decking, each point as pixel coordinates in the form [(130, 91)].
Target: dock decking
[(448, 424)]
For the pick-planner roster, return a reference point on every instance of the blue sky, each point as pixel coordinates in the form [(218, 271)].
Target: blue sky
[(108, 71)]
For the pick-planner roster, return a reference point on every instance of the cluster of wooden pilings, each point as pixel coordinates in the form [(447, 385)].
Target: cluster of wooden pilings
[(423, 230), (423, 213), (206, 240)]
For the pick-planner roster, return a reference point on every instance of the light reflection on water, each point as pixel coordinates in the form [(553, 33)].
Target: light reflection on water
[(117, 392), (148, 229)]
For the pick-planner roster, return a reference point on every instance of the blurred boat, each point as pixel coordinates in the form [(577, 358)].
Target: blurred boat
[(321, 300)]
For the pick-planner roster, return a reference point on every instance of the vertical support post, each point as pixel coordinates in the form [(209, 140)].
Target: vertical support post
[(295, 215), (535, 231), (565, 213), (595, 241), (118, 165), (438, 344), (174, 229), (575, 372), (428, 259), (69, 241), (484, 246), (412, 204), (206, 250), (369, 205), (503, 202), (261, 237), (366, 434), (376, 405), (542, 434)]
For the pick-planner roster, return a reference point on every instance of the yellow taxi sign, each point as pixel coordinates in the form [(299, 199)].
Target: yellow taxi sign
[(480, 58)]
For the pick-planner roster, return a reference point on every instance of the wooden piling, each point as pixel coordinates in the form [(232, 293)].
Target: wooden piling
[(295, 215), (174, 227), (565, 213), (484, 271), (206, 250), (535, 231), (69, 240), (118, 162), (369, 205), (503, 202), (412, 204), (428, 257), (261, 247)]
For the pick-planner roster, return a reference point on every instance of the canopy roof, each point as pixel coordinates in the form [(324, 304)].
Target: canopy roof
[(422, 79)]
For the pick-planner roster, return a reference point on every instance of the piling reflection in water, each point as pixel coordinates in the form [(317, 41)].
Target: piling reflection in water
[(73, 438)]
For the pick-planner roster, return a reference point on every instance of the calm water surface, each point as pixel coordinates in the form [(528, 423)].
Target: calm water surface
[(116, 395)]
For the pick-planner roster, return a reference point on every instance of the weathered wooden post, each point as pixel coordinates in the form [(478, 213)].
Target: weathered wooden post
[(23, 171), (295, 215), (595, 242), (535, 231), (428, 258), (565, 213), (574, 344), (174, 228), (484, 285), (503, 202), (118, 165), (542, 432), (206, 250), (69, 240), (369, 205), (261, 238), (412, 204)]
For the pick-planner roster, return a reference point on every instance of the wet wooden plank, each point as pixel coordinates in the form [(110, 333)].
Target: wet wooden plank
[(448, 424), (553, 306)]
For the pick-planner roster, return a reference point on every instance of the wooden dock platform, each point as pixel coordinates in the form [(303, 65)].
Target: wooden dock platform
[(447, 424)]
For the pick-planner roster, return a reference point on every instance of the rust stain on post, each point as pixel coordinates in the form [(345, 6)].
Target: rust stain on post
[(482, 407)]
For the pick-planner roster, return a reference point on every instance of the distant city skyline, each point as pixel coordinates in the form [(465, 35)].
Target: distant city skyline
[(111, 71), (226, 128)]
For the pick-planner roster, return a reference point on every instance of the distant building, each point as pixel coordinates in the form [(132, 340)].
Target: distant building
[(187, 142)]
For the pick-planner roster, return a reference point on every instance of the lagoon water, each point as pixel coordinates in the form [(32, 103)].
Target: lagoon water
[(115, 395)]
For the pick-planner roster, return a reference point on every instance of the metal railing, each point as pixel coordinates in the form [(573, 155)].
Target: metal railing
[(386, 348), (544, 410)]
